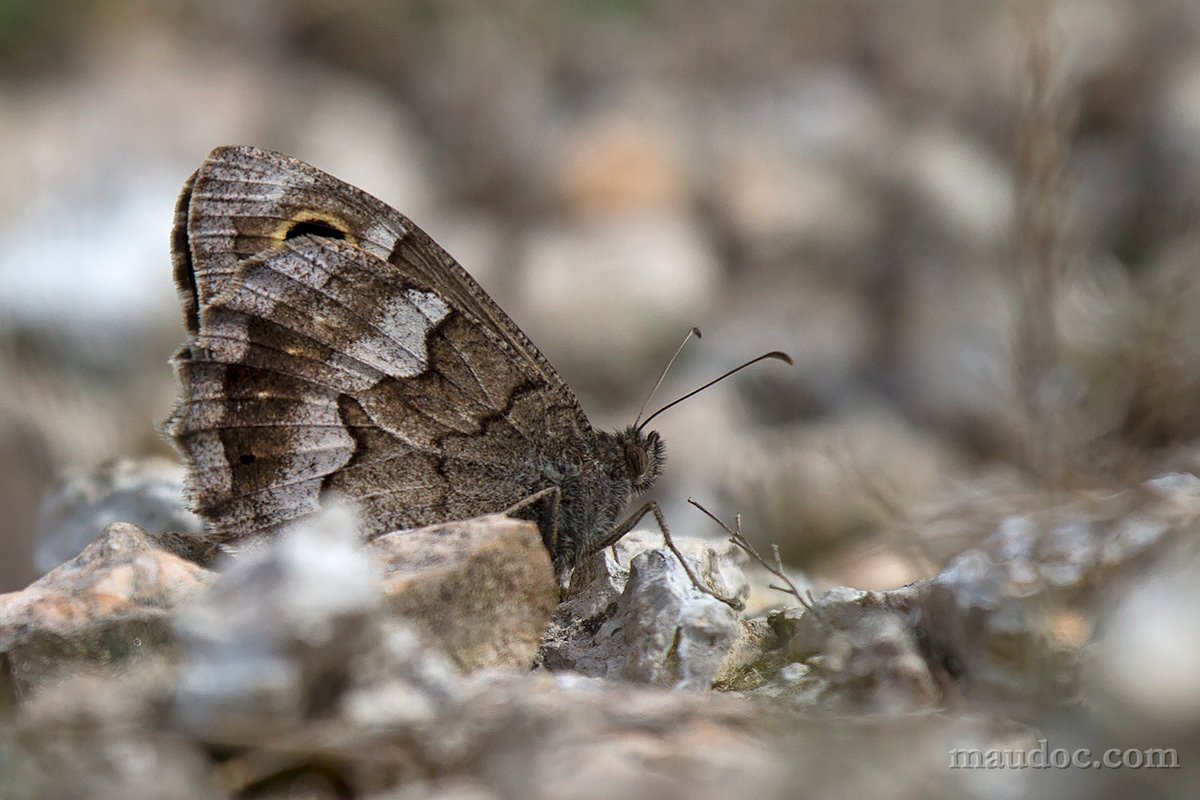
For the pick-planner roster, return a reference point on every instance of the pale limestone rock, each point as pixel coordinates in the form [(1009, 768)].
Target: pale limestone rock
[(483, 589), (112, 602), (635, 615)]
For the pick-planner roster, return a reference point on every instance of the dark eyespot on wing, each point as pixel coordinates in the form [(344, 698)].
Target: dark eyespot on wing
[(314, 228)]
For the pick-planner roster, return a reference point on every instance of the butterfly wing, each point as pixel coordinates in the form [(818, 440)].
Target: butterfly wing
[(335, 347), (244, 201)]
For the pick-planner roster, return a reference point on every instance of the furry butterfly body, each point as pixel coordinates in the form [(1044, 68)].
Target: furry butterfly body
[(335, 348)]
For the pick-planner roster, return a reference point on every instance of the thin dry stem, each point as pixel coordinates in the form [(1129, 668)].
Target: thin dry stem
[(732, 602), (1044, 247), (776, 568)]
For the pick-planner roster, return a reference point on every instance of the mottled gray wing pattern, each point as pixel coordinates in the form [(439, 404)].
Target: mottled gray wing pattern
[(243, 201), (335, 347)]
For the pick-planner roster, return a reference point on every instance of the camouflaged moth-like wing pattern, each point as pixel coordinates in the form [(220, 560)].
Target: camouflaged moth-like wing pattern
[(334, 347)]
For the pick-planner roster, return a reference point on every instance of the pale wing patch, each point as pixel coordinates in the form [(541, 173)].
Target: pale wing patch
[(432, 307), (212, 476), (380, 238), (401, 343)]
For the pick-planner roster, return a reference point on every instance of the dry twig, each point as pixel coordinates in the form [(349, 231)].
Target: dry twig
[(776, 568)]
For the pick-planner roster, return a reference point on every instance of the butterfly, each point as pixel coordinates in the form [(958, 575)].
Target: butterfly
[(335, 349)]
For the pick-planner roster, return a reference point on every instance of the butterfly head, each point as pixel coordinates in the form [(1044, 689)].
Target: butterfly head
[(644, 456)]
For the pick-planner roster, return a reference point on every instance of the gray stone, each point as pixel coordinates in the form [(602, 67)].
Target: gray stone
[(298, 636), (277, 627), (579, 277), (846, 461), (99, 737), (675, 635), (858, 652), (590, 738), (1144, 673), (636, 615), (985, 625), (754, 656), (490, 735), (147, 493)]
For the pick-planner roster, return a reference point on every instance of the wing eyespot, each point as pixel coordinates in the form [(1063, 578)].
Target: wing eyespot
[(314, 227)]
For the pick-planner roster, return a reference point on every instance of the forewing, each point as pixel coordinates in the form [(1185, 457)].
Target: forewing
[(243, 202)]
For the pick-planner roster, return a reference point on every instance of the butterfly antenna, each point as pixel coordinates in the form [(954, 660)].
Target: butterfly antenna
[(776, 354), (693, 332)]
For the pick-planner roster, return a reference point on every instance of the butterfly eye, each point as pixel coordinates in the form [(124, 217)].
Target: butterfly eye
[(636, 457), (314, 227)]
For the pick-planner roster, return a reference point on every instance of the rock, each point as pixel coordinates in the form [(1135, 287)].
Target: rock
[(1177, 120), (102, 737), (748, 662), (296, 643), (876, 665), (828, 330), (908, 649), (483, 589), (401, 682), (110, 603), (588, 738), (621, 164), (797, 180), (1168, 504), (950, 358), (993, 615), (453, 789), (1003, 621), (277, 628), (491, 735), (676, 636), (1145, 669), (782, 207), (294, 671), (636, 615), (859, 652), (278, 621), (957, 181), (147, 493)]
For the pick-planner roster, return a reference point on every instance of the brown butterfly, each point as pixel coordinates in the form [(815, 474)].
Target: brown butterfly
[(335, 348)]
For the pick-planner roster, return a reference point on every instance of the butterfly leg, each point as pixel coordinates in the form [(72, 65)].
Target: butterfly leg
[(617, 533), (546, 514)]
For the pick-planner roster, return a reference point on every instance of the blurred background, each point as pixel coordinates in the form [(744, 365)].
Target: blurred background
[(972, 225)]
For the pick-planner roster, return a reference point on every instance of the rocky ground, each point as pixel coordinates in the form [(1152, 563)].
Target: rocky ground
[(444, 663)]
